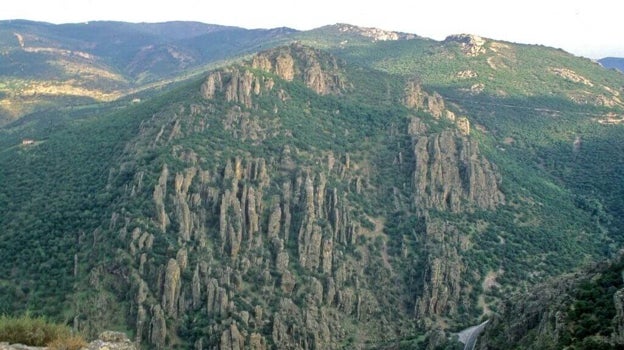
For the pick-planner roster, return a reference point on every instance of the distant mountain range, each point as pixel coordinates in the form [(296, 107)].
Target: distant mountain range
[(45, 65), (613, 62)]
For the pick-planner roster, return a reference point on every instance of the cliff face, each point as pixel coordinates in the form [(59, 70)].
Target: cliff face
[(319, 71), (441, 285), (450, 174)]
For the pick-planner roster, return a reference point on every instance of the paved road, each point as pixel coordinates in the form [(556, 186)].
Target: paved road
[(470, 335)]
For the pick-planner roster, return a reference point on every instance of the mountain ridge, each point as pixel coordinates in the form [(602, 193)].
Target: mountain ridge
[(613, 63), (102, 61)]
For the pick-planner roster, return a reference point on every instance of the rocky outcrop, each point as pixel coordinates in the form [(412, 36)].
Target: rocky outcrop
[(157, 328), (211, 85), (240, 86), (231, 339), (171, 288), (318, 70), (463, 125), (300, 328), (249, 241), (571, 75), (231, 223), (284, 65), (416, 97), (471, 45), (309, 237), (450, 173), (181, 201), (217, 303), (112, 341), (618, 320), (466, 74), (235, 84), (257, 342), (159, 193), (433, 103), (441, 288), (375, 34)]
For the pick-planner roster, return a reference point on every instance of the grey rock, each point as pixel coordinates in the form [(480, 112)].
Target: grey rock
[(109, 340)]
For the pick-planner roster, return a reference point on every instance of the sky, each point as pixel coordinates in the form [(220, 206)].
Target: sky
[(587, 28)]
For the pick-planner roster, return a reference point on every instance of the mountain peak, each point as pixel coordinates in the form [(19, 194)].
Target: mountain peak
[(464, 38), (375, 34), (471, 45)]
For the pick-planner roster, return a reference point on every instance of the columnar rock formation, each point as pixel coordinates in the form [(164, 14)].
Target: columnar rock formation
[(253, 230), (253, 251), (316, 69), (441, 285), (450, 173)]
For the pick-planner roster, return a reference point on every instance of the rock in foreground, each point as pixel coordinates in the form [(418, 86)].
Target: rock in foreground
[(107, 340)]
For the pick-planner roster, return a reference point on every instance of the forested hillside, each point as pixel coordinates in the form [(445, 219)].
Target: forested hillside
[(46, 66), (356, 188)]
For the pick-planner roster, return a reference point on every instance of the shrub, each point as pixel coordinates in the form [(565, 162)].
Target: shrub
[(37, 331), (69, 343)]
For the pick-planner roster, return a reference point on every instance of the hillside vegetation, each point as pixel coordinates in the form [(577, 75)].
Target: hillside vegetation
[(580, 311), (354, 189), (48, 66)]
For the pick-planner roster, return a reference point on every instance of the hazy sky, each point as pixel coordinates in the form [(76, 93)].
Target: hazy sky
[(591, 28)]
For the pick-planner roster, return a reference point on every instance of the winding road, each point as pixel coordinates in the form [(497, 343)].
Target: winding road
[(470, 335)]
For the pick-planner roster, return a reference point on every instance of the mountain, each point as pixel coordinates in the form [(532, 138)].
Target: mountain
[(355, 188), (613, 63), (47, 66)]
